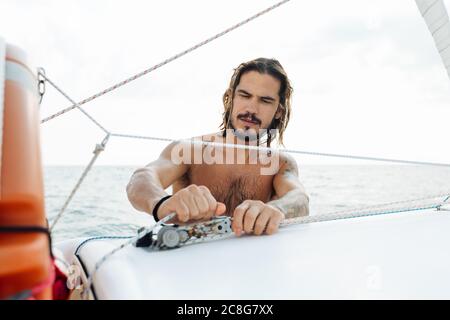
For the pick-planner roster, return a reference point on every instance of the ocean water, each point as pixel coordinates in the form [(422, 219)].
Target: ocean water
[(101, 207)]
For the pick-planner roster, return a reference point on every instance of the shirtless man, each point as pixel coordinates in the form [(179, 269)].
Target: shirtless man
[(256, 107)]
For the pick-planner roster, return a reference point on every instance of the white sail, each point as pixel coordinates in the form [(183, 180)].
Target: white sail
[(436, 17)]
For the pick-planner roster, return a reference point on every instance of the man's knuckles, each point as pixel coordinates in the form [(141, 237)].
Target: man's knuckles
[(252, 203), (271, 228), (260, 225)]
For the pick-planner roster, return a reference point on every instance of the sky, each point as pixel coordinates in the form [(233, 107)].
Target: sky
[(367, 77)]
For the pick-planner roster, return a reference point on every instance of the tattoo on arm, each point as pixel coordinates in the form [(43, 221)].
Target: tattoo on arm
[(293, 203)]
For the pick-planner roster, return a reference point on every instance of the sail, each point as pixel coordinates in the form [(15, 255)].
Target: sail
[(436, 17)]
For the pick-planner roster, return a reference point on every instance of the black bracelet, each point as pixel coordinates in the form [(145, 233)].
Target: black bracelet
[(155, 209)]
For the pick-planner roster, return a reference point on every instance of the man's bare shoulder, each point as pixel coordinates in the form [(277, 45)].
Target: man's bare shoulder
[(211, 137), (216, 136), (188, 145), (288, 164)]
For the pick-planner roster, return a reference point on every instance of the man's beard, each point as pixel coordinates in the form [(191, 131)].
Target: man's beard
[(248, 134)]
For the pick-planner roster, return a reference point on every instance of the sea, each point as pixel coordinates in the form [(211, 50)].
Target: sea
[(100, 207)]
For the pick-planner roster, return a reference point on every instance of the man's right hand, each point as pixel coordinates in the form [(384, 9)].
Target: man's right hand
[(192, 203)]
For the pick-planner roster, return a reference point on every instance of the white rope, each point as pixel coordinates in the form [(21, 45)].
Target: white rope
[(293, 151), (98, 148), (393, 203), (285, 223), (75, 104), (445, 204), (102, 260), (356, 214), (325, 218), (178, 55)]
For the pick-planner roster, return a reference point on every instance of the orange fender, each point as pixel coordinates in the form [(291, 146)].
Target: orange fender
[(25, 258)]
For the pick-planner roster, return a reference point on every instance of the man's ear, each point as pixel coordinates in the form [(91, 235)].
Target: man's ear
[(279, 113)]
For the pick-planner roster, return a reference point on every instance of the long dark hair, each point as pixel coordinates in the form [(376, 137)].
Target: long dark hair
[(263, 66)]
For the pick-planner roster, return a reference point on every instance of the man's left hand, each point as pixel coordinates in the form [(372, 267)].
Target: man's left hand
[(257, 217)]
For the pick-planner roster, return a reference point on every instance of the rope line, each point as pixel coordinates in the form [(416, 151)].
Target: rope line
[(176, 56), (293, 151), (76, 105), (390, 204), (322, 218), (83, 243), (123, 245), (98, 149), (356, 214), (443, 203)]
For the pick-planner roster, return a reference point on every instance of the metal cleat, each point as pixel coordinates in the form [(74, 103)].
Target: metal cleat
[(174, 236)]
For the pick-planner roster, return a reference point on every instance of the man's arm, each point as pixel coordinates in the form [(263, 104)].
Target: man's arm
[(147, 184), (257, 217), (291, 197)]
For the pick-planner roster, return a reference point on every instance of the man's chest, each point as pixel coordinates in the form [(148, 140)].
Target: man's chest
[(232, 184)]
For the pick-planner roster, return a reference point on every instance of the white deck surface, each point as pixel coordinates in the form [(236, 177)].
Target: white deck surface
[(404, 256)]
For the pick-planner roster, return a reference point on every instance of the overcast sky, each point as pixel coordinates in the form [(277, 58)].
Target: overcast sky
[(367, 78)]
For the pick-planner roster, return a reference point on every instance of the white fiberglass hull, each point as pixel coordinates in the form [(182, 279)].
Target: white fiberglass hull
[(402, 255)]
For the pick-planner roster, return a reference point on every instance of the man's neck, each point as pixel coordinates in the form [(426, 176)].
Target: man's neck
[(237, 137)]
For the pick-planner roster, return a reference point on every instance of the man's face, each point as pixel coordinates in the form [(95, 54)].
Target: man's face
[(255, 103)]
